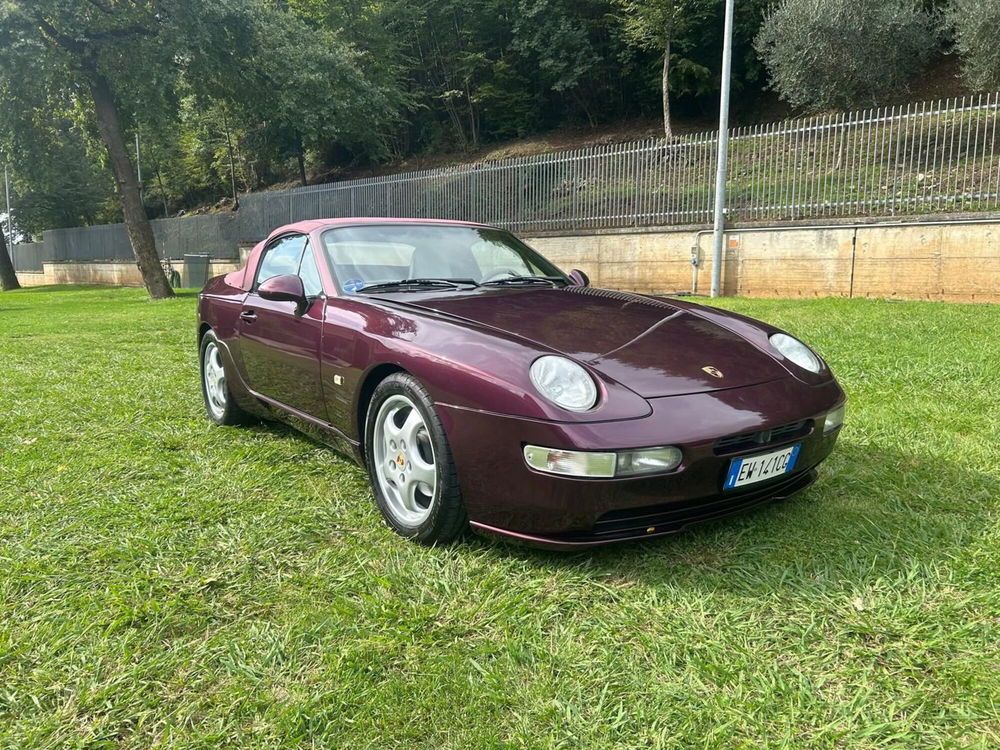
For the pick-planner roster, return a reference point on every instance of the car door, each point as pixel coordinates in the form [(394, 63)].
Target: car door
[(279, 344)]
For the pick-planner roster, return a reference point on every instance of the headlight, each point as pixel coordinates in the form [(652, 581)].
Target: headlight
[(564, 383), (834, 419), (793, 349)]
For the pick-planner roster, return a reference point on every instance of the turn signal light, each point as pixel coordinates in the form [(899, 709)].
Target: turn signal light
[(834, 420), (603, 465)]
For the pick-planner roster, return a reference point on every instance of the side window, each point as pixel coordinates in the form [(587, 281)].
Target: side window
[(281, 258), (309, 273)]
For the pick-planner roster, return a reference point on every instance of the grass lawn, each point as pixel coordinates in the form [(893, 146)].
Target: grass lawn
[(168, 583)]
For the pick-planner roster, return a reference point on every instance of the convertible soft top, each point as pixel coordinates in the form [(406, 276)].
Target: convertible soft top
[(243, 278)]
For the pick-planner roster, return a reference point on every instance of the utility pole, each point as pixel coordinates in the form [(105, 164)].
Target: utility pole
[(6, 185), (232, 165), (723, 157)]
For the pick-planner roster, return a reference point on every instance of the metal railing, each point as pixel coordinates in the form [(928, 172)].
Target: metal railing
[(217, 236), (928, 157), (913, 158)]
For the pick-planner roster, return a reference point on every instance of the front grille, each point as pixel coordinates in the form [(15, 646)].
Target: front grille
[(674, 517), (750, 441)]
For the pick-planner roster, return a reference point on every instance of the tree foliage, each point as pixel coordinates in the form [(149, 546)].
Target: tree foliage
[(259, 92), (975, 24), (824, 54)]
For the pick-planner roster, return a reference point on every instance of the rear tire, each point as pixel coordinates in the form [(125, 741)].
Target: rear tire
[(220, 404), (410, 464)]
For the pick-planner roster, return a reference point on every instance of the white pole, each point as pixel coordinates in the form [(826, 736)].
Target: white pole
[(720, 173), (6, 184), (138, 164), (138, 167)]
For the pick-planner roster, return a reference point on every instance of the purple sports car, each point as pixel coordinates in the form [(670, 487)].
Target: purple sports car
[(481, 386)]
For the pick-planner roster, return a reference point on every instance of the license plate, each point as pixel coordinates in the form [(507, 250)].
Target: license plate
[(753, 469)]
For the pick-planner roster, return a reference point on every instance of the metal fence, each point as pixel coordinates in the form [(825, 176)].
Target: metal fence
[(937, 156), (217, 236), (914, 158), (29, 256)]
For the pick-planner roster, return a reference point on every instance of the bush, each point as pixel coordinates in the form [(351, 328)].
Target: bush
[(824, 54), (976, 23)]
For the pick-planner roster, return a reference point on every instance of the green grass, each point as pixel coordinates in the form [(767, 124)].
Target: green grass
[(168, 583)]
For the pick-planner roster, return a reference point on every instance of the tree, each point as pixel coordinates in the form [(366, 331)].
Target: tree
[(657, 25), (823, 54), (8, 278), (96, 44), (975, 24), (135, 60)]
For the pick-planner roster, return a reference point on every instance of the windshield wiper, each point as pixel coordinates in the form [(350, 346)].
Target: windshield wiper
[(417, 284), (516, 280)]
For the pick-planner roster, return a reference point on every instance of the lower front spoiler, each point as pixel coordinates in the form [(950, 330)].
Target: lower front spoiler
[(657, 520)]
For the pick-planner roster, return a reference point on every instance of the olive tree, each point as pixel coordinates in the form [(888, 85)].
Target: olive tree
[(975, 25), (823, 54)]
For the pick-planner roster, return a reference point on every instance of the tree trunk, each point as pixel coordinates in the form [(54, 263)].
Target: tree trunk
[(667, 132), (232, 164), (8, 279), (302, 168), (300, 155), (163, 191), (581, 100), (140, 231), (473, 129)]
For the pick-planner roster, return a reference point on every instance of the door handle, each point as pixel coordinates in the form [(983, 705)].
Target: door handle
[(248, 315)]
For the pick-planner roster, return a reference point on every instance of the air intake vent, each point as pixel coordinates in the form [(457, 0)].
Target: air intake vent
[(628, 297), (750, 441)]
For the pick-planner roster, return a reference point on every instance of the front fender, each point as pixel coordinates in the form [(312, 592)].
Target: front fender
[(459, 365)]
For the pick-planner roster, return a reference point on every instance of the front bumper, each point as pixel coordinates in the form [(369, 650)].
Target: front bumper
[(660, 520), (505, 497)]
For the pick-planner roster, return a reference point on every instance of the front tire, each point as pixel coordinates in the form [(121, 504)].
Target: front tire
[(410, 464), (220, 405)]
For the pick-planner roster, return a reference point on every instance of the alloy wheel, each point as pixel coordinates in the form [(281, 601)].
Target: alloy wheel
[(404, 460), (215, 380)]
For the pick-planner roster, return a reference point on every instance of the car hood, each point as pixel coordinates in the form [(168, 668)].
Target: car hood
[(646, 344)]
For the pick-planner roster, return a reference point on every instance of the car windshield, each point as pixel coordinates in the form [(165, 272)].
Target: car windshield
[(381, 254)]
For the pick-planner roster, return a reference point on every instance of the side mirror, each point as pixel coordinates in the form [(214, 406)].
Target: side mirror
[(287, 288), (579, 278)]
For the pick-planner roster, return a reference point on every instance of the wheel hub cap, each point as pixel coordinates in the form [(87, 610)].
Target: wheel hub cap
[(404, 460), (215, 380)]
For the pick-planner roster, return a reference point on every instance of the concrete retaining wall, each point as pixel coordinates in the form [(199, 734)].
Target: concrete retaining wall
[(115, 273), (918, 260)]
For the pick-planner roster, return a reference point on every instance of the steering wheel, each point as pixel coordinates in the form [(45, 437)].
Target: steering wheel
[(498, 274)]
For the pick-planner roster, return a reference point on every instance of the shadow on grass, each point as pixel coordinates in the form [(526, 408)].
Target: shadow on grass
[(66, 288), (874, 512), (72, 288)]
